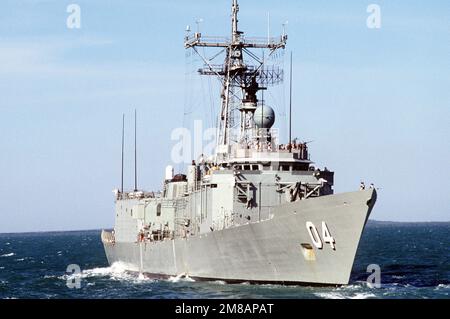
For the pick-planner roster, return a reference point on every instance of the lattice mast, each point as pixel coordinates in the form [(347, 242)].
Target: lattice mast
[(240, 81)]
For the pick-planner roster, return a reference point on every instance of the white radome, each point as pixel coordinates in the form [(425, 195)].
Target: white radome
[(264, 116)]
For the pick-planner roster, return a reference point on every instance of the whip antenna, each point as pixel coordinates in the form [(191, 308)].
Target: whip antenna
[(135, 153), (290, 103), (123, 142)]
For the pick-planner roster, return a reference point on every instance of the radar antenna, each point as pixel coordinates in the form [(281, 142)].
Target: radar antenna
[(240, 80)]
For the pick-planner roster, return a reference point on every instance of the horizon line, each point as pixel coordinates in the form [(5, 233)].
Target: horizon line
[(107, 228)]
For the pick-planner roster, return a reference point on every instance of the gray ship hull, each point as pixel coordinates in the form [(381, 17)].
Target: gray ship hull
[(276, 250)]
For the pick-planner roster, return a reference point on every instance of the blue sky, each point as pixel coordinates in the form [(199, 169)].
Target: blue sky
[(376, 102)]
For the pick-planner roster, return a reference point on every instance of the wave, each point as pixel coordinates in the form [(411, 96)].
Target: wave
[(338, 295), (180, 277), (357, 290), (7, 255), (356, 285), (330, 295), (363, 295), (117, 271), (442, 286)]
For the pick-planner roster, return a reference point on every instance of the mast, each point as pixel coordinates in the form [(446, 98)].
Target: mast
[(135, 154), (290, 104), (240, 80), (123, 143), (234, 20)]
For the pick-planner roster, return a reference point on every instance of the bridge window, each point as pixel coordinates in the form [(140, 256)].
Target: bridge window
[(300, 167)]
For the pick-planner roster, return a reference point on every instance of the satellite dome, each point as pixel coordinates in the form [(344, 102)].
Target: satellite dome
[(264, 116)]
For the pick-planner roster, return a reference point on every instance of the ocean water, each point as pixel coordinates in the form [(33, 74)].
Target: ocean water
[(414, 259)]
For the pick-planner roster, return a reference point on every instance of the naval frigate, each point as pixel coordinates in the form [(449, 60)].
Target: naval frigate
[(255, 211)]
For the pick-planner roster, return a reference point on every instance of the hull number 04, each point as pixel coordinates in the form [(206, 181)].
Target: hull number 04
[(315, 237)]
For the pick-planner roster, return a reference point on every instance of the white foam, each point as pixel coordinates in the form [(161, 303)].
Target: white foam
[(339, 293), (8, 255), (176, 279), (330, 295), (442, 286), (351, 287), (141, 276), (181, 277), (363, 295), (117, 271), (278, 286), (20, 259)]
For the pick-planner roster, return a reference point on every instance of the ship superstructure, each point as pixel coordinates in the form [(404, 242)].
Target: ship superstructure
[(257, 210)]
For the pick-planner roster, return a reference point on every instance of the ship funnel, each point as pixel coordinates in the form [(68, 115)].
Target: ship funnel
[(169, 172)]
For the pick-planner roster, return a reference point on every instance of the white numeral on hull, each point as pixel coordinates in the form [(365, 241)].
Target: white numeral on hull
[(315, 237)]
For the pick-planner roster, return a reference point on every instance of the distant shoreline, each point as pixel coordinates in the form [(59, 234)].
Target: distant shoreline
[(371, 222)]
